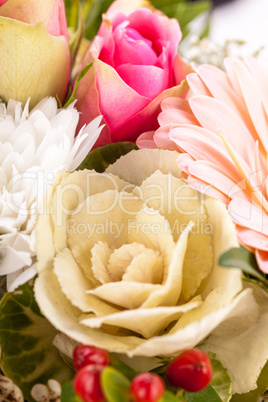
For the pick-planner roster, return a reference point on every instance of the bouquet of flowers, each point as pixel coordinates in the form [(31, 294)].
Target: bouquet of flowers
[(133, 207)]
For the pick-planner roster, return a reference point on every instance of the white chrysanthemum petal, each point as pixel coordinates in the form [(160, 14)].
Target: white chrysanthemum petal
[(24, 276), (79, 148), (48, 107), (34, 147)]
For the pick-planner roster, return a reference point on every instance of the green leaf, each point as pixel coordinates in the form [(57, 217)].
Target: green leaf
[(221, 381), (92, 11), (71, 96), (27, 354), (208, 394), (243, 259), (122, 367), (170, 397), (68, 394), (115, 385), (254, 395), (100, 158), (76, 35), (184, 12), (71, 11)]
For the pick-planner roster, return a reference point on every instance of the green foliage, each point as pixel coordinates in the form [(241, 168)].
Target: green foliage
[(208, 394), (170, 397), (75, 23), (122, 367), (71, 96), (184, 11), (68, 394), (100, 158), (245, 260), (221, 382), (115, 385), (27, 354)]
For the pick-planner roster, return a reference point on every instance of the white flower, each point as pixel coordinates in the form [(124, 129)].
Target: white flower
[(34, 147)]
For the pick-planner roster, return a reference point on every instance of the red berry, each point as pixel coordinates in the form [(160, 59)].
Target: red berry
[(84, 355), (191, 371), (147, 387), (87, 384)]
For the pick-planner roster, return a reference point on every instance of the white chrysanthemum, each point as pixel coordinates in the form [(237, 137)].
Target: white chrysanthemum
[(34, 147)]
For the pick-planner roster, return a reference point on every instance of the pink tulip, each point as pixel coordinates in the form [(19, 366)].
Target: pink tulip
[(134, 55), (34, 50)]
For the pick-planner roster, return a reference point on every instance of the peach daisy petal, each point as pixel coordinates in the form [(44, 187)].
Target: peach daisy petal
[(225, 153)]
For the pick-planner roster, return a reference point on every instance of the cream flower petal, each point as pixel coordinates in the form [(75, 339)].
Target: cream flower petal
[(75, 286), (150, 160), (145, 268), (123, 303), (183, 205), (169, 293), (65, 317), (129, 295), (244, 368), (101, 254), (146, 321), (109, 223), (190, 335), (153, 230), (122, 258), (69, 197)]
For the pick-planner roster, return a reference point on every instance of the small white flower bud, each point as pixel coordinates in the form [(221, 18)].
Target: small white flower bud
[(40, 393)]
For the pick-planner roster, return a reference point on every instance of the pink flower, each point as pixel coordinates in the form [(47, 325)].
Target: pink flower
[(222, 132), (34, 50), (134, 54)]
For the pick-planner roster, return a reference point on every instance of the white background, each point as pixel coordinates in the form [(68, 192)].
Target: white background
[(241, 19)]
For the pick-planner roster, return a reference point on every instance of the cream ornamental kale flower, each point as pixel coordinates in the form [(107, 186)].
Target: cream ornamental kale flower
[(128, 262), (34, 147)]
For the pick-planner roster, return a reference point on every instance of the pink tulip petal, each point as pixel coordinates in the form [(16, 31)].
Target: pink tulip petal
[(211, 114), (132, 48), (146, 119), (146, 140), (262, 260), (148, 81), (50, 12), (246, 214), (106, 50), (57, 24), (153, 26), (181, 69), (88, 105), (115, 95)]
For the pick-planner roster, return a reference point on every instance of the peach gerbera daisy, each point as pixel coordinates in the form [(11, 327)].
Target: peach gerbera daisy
[(222, 132)]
